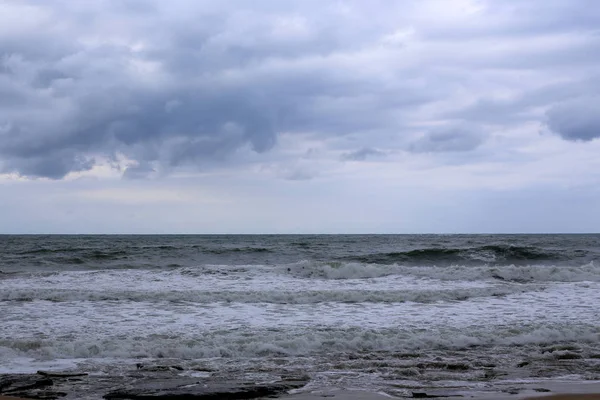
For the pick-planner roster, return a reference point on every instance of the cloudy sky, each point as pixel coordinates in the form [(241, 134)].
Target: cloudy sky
[(193, 116)]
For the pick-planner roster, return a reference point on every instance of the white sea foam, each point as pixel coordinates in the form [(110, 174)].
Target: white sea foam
[(296, 342), (224, 274), (303, 309), (510, 273)]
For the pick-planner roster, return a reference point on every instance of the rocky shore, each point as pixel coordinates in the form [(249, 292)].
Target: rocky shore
[(173, 382), (144, 383)]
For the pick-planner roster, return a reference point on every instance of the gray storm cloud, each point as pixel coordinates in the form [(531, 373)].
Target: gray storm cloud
[(192, 96), (577, 120), (194, 83), (449, 139)]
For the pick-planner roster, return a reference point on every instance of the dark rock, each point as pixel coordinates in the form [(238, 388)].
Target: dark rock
[(567, 356), (184, 390), (61, 374), (457, 367), (423, 395), (542, 390), (20, 383), (203, 369), (515, 280), (41, 395), (443, 365), (489, 374), (484, 364), (552, 349), (512, 390), (29, 386), (6, 381), (522, 364)]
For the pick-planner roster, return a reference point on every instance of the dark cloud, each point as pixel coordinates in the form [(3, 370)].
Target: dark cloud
[(195, 83), (577, 120), (54, 165), (193, 96), (362, 154), (449, 139), (522, 107)]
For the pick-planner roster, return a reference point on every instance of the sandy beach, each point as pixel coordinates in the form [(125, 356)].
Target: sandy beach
[(374, 396), (369, 396), (362, 395), (589, 396), (560, 391)]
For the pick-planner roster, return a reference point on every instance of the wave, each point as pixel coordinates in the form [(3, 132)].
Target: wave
[(506, 273), (73, 256), (137, 254), (488, 253), (238, 343), (89, 251), (238, 250), (276, 297), (336, 270)]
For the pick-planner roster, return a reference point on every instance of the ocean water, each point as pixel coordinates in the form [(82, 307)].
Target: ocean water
[(378, 312)]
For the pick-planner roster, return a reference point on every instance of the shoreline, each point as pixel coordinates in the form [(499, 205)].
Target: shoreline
[(549, 390), (364, 395), (553, 390), (375, 396)]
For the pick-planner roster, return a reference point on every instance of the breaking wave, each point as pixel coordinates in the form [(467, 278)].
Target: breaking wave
[(301, 342), (507, 273), (489, 253)]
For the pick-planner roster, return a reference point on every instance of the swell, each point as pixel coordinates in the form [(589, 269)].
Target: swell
[(132, 257), (238, 250), (255, 297), (487, 253)]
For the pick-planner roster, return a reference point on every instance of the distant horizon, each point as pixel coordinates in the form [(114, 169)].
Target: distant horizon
[(304, 234)]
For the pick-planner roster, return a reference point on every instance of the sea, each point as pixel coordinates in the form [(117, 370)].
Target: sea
[(386, 313)]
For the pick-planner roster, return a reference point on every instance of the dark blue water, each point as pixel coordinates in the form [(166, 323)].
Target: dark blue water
[(58, 252)]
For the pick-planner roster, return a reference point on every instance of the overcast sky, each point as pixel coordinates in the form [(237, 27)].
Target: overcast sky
[(192, 116)]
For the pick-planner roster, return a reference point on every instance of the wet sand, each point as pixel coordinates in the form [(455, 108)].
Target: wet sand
[(557, 391), (590, 396), (361, 395), (529, 391), (9, 398)]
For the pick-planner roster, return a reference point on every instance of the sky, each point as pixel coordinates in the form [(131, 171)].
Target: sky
[(311, 116)]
